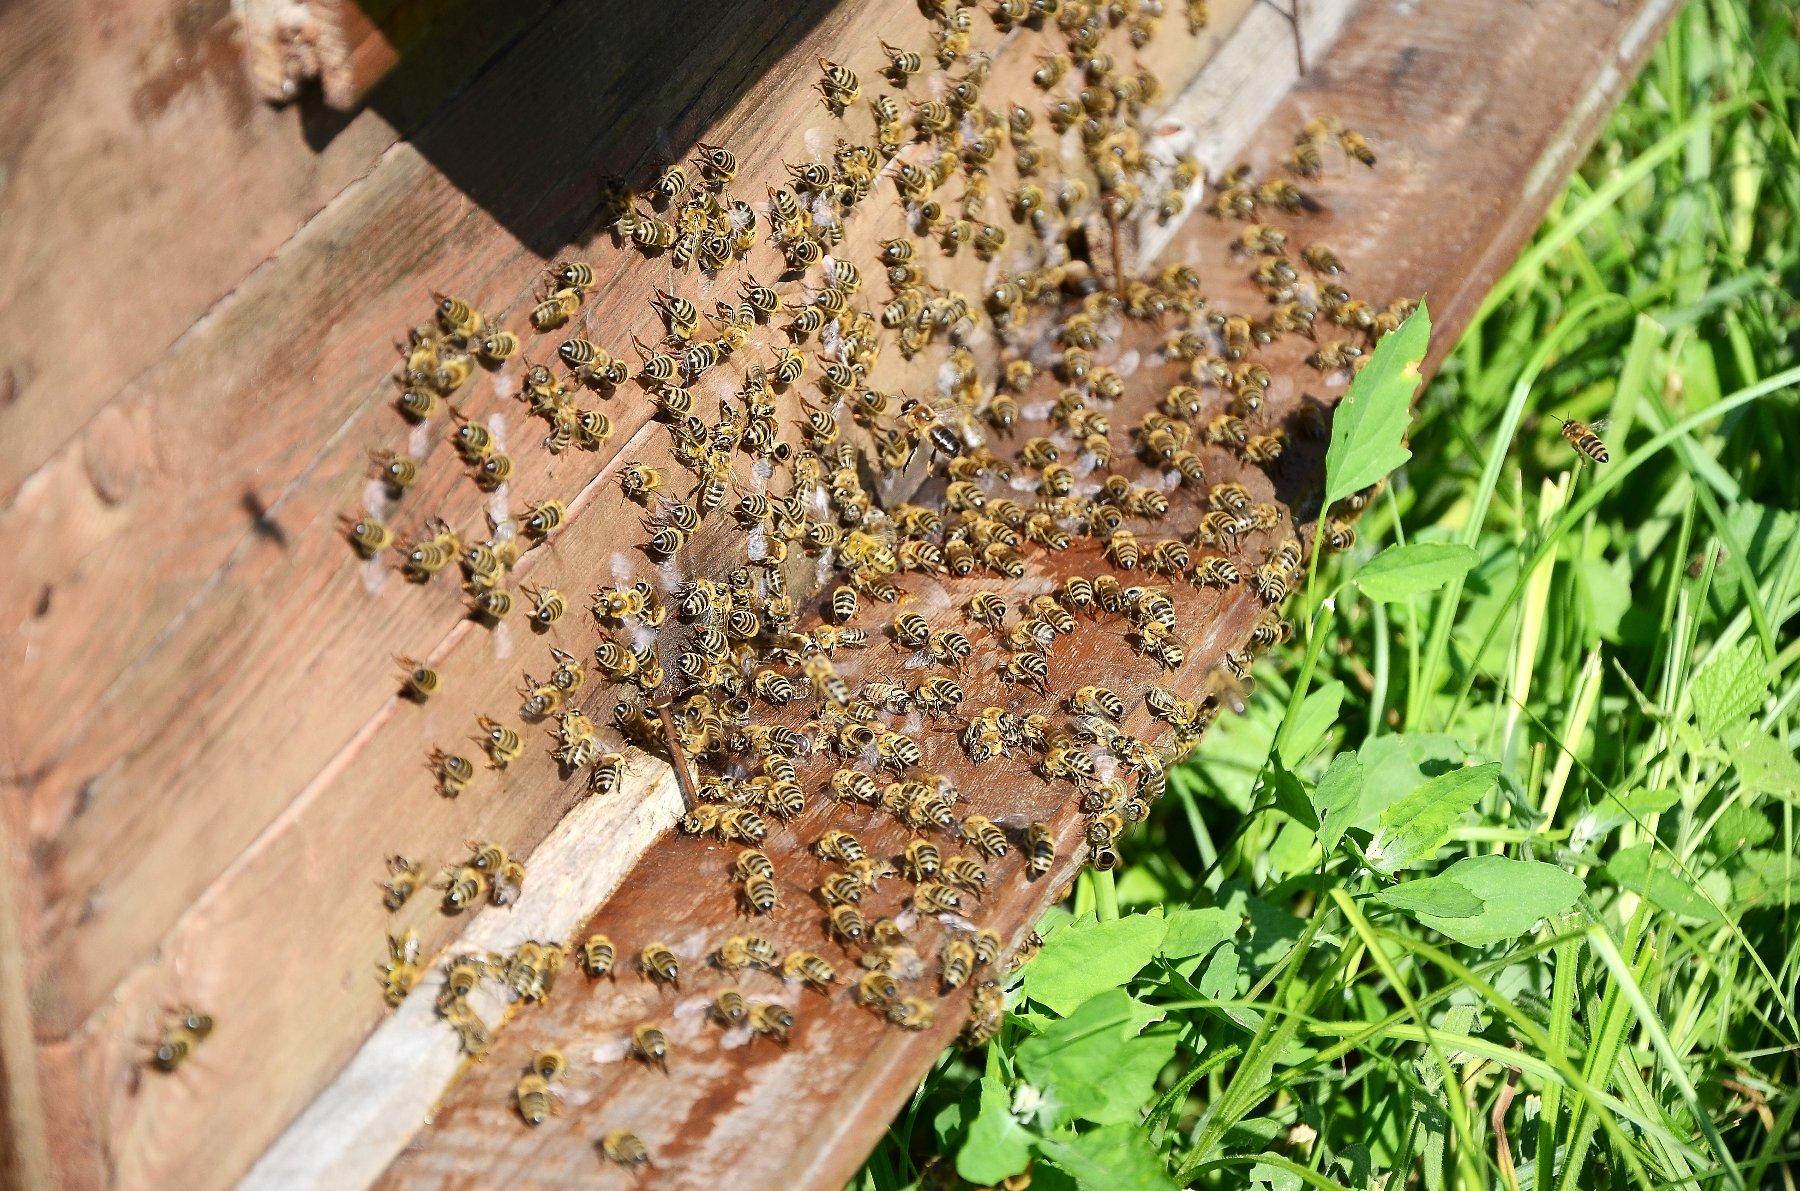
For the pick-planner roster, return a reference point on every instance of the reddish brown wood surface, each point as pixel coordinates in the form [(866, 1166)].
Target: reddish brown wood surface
[(1463, 110), (228, 763)]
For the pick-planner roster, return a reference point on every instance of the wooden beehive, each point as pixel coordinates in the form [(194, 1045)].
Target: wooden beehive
[(205, 756)]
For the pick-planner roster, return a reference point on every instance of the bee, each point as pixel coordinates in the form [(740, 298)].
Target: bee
[(1040, 849), (1322, 260), (458, 319), (811, 969), (623, 1147), (453, 773), (1270, 583), (1027, 669), (1355, 146), (921, 860), (1214, 570), (745, 951), (650, 1045), (368, 535), (773, 1019), (464, 888), (659, 963), (759, 894), (1122, 549), (960, 870), (1097, 700), (548, 605), (542, 518), (934, 897), (840, 889), (729, 1008), (913, 1013), (949, 647), (877, 990), (597, 956), (1340, 534), (720, 165), (419, 680), (840, 86), (958, 963), (556, 309), (401, 974), (536, 1102), (1169, 557), (179, 1039), (503, 745), (1581, 436), (403, 880)]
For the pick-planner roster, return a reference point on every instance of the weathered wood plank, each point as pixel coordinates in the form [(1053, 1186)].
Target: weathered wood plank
[(143, 180), (301, 832), (804, 1116)]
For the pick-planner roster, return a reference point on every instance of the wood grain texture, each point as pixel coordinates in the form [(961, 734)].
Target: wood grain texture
[(236, 782), (804, 1116)]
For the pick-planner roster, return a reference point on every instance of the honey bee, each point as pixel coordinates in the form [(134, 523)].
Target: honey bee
[(542, 518), (464, 887), (847, 922), (503, 744), (1581, 436), (921, 860), (839, 85), (719, 164), (759, 894), (536, 1102), (624, 1148), (729, 1008), (368, 535), (403, 880), (556, 309), (597, 956), (1355, 146), (401, 973), (548, 605), (650, 1045), (877, 990), (457, 317), (810, 969), (659, 963), (178, 1040), (958, 963), (1040, 849), (745, 951), (912, 1013), (773, 1019), (453, 773)]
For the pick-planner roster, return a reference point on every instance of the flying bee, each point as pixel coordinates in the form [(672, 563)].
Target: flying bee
[(453, 773), (179, 1039), (1355, 146), (1581, 436), (503, 745), (419, 680), (1040, 849)]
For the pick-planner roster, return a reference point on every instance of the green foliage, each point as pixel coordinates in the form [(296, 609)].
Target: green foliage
[(1518, 834), (1368, 431)]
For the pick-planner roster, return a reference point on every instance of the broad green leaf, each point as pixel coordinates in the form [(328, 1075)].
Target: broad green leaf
[(1739, 827), (1115, 1158), (1731, 687), (1318, 712), (1636, 869), (1763, 764), (1764, 876), (1100, 1063), (1415, 827), (1086, 958), (1604, 589), (1764, 533), (1432, 895), (1395, 765), (1401, 571), (1370, 423), (1196, 932), (997, 1147), (1288, 792), (1336, 797), (1612, 811), (1511, 897), (1294, 848)]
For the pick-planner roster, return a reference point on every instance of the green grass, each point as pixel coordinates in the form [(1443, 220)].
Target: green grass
[(1553, 885)]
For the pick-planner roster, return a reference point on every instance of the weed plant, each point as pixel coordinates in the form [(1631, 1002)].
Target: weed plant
[(1494, 884)]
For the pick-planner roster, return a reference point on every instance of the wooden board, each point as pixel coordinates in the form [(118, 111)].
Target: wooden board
[(228, 764), (804, 1116)]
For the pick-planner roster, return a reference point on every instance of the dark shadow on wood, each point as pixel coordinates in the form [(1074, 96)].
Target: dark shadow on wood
[(563, 94)]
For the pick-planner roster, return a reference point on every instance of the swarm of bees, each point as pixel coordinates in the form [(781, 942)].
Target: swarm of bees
[(933, 632)]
